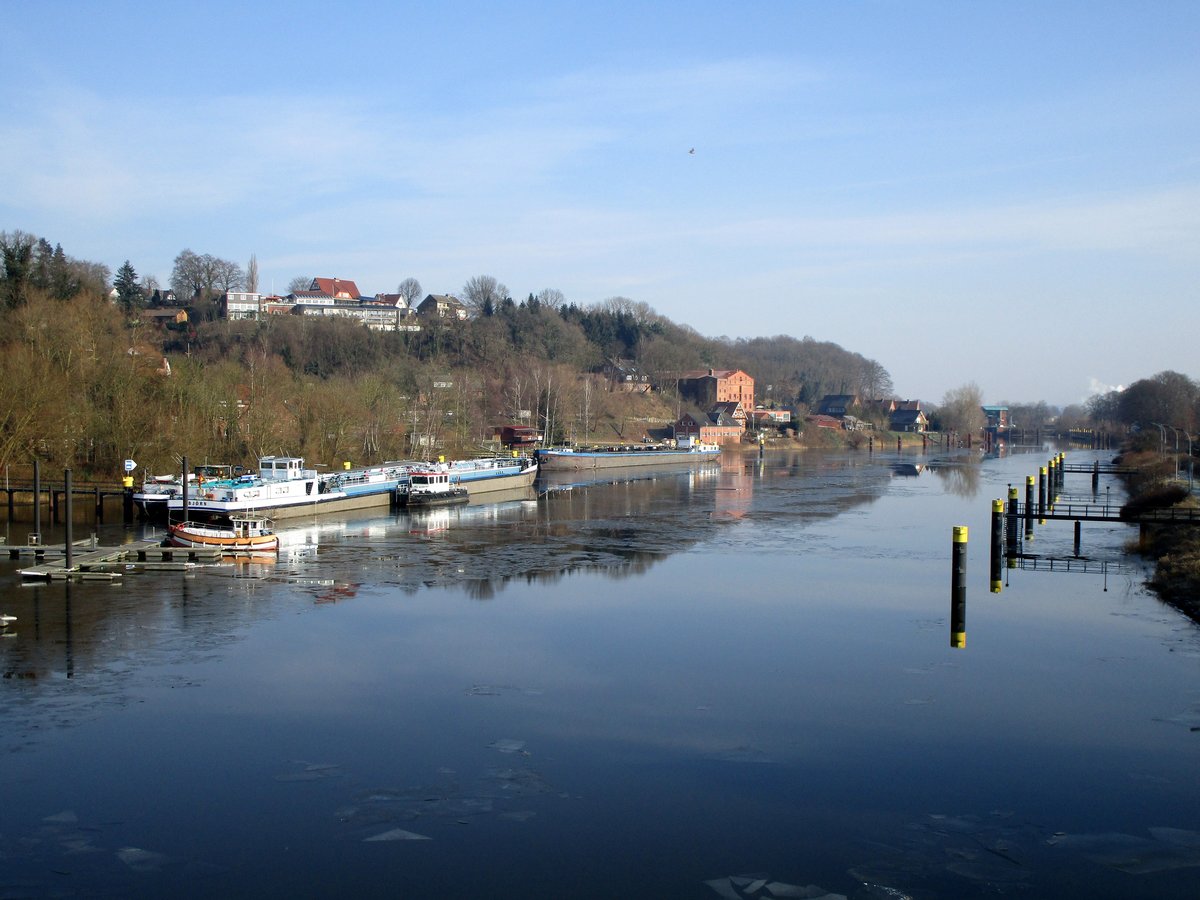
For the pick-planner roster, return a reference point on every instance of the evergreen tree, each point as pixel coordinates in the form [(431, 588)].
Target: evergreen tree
[(129, 292)]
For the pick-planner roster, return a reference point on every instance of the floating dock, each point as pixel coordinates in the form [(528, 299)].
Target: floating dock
[(97, 563)]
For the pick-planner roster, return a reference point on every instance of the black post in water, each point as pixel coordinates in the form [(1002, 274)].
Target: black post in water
[(99, 505), (70, 535), (1010, 529), (1096, 477), (1051, 482), (958, 589), (997, 544), (871, 444), (897, 444), (1041, 495), (1029, 508), (37, 502), (1078, 535)]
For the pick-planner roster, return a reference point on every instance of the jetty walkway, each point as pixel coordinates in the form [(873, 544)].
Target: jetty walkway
[(90, 563)]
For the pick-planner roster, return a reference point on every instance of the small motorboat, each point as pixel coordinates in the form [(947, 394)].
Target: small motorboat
[(432, 489), (6, 619), (243, 533)]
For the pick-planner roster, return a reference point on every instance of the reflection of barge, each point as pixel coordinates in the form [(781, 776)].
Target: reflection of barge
[(624, 457)]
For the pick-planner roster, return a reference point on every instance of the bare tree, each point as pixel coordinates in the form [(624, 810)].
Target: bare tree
[(410, 290), (962, 409), (483, 291), (299, 283), (252, 274), (227, 275), (552, 298), (187, 276)]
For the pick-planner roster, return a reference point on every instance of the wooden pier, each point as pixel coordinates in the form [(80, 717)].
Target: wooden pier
[(98, 563)]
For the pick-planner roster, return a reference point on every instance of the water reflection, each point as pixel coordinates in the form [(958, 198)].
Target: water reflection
[(960, 475), (766, 709)]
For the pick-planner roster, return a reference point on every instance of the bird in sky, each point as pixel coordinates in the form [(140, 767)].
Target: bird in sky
[(692, 151)]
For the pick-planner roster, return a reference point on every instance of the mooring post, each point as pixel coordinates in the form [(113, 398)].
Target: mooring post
[(958, 588), (997, 543), (99, 505), (37, 501), (1042, 495), (1051, 483), (127, 500), (1029, 507), (1078, 536), (870, 444), (70, 535), (1096, 477), (897, 443), (1010, 530), (185, 495)]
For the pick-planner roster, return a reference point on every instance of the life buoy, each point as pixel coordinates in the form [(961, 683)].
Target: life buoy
[(208, 496)]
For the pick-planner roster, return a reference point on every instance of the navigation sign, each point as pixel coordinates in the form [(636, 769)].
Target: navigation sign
[(130, 465)]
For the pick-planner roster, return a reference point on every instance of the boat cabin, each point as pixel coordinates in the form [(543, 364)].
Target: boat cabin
[(282, 468), (250, 526)]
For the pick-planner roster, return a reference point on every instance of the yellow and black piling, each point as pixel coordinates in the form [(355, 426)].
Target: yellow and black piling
[(958, 588), (1010, 528), (997, 545), (1028, 507), (127, 499), (1042, 495)]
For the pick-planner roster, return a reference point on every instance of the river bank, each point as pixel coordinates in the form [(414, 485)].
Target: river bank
[(1175, 551)]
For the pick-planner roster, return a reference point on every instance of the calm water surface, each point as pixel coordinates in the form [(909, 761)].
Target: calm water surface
[(734, 683)]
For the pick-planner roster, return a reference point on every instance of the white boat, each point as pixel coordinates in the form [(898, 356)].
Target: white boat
[(157, 490), (285, 489), (243, 533), (431, 489)]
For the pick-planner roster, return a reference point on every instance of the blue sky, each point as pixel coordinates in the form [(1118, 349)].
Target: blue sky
[(938, 186)]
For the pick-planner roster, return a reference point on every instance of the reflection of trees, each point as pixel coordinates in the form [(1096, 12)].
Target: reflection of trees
[(959, 478)]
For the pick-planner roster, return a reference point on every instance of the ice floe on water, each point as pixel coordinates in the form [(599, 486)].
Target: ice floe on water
[(508, 745), (739, 887), (142, 860), (306, 771), (1163, 850), (397, 834)]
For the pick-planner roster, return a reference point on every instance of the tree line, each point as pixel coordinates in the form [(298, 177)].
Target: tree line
[(83, 381)]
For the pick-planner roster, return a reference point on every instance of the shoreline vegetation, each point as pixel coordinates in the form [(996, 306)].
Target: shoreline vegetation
[(1174, 551)]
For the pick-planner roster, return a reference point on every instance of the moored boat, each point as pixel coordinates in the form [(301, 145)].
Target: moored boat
[(152, 501), (243, 533), (569, 459), (284, 488), (431, 489), (489, 474)]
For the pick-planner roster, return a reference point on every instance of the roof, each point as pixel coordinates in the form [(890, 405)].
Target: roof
[(707, 373), (334, 287), (907, 416)]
